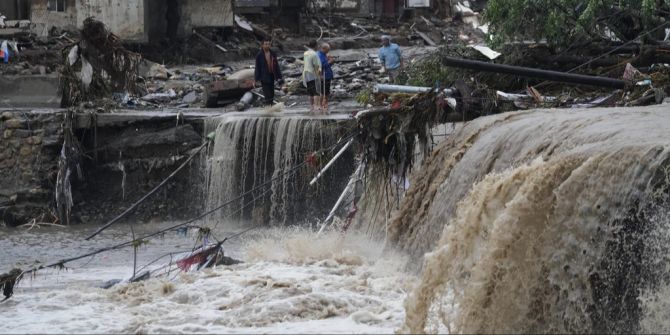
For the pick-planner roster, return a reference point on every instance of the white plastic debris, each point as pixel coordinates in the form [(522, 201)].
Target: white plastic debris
[(486, 51), (73, 55), (463, 10), (242, 23), (86, 74), (160, 97)]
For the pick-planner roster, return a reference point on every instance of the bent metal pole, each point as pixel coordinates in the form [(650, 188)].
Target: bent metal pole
[(534, 73)]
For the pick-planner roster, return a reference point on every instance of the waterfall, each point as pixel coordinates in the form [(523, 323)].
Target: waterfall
[(542, 221), (252, 150)]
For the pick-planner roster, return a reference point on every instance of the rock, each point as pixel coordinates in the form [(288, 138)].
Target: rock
[(15, 123), (6, 115), (190, 98), (7, 133), (25, 151), (34, 140), (23, 133)]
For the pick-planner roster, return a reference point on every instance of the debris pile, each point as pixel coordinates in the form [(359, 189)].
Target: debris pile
[(8, 281), (389, 135), (24, 53), (97, 66)]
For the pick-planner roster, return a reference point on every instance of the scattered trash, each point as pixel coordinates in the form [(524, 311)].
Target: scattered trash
[(486, 51), (160, 97)]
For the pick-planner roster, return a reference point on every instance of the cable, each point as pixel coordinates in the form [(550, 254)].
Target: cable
[(146, 196), (62, 262)]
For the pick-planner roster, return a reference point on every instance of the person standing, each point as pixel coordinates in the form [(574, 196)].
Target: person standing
[(267, 71), (311, 76), (326, 62), (390, 56)]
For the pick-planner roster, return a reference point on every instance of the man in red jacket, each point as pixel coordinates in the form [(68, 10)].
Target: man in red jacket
[(267, 71)]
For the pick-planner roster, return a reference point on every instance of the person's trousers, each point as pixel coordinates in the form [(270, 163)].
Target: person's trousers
[(393, 75), (269, 92)]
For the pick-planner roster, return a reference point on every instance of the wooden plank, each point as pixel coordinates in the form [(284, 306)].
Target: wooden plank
[(427, 39)]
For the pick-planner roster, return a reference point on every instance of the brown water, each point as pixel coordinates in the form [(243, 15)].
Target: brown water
[(252, 150), (542, 221)]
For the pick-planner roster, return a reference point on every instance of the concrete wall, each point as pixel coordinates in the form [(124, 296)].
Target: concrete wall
[(134, 20), (45, 19), (338, 5), (193, 13), (156, 23), (206, 13), (15, 9), (29, 91), (124, 18)]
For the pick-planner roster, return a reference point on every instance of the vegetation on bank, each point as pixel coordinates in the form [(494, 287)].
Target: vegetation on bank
[(565, 23)]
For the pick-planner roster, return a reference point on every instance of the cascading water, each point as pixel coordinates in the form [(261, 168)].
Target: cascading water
[(252, 150), (550, 221)]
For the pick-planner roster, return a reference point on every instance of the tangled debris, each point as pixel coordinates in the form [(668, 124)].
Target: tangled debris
[(97, 66), (389, 135), (68, 163), (8, 281)]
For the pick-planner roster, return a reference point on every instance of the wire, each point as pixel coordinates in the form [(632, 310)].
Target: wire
[(62, 262), (146, 196)]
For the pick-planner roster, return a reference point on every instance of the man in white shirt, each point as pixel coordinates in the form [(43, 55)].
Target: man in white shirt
[(311, 76)]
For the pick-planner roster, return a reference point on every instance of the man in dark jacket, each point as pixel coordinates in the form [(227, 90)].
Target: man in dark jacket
[(267, 71)]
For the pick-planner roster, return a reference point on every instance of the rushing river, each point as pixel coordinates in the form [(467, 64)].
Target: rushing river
[(290, 281), (554, 221)]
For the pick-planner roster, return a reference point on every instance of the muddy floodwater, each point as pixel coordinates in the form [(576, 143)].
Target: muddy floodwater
[(290, 281)]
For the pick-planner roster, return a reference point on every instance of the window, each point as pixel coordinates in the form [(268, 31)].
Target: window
[(56, 5)]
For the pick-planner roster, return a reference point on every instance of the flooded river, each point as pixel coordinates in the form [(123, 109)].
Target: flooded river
[(290, 281)]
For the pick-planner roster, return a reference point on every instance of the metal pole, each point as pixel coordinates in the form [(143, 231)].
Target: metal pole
[(339, 153), (352, 182), (387, 88), (534, 73)]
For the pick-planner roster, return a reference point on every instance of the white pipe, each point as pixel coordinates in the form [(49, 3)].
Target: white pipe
[(387, 88), (351, 182), (339, 153)]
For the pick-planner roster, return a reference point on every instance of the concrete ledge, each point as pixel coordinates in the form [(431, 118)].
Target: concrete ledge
[(33, 91)]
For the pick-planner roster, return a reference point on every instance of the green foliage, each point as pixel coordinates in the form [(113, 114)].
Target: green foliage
[(365, 97), (566, 22), (429, 70)]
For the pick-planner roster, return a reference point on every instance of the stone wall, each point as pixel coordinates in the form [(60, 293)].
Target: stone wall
[(29, 148), (120, 162)]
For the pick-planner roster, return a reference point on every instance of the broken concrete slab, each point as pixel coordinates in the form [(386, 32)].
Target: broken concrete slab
[(190, 98)]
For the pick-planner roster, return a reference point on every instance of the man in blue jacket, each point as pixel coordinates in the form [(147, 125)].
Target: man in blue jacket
[(327, 72), (267, 71)]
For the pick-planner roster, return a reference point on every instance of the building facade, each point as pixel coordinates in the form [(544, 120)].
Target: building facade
[(132, 20)]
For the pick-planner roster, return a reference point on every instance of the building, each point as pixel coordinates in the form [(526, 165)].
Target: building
[(15, 9), (133, 20)]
